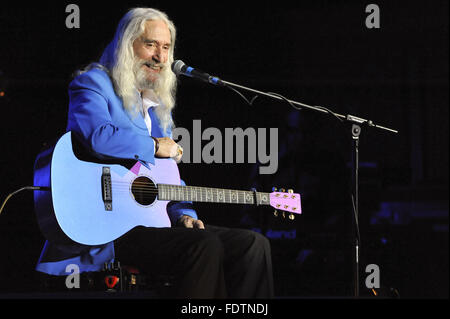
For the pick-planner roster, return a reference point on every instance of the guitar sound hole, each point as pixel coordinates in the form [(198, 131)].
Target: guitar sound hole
[(144, 190)]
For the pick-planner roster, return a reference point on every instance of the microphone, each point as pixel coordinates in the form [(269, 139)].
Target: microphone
[(179, 67)]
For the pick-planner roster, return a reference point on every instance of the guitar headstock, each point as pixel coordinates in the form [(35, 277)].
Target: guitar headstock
[(287, 202)]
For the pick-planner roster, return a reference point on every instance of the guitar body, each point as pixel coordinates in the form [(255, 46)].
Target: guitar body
[(94, 202)]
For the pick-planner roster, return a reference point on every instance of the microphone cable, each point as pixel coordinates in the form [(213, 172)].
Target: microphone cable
[(33, 188)]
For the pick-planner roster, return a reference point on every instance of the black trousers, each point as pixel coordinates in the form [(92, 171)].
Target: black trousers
[(215, 262)]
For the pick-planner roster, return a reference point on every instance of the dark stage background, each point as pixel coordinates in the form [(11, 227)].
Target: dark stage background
[(316, 52)]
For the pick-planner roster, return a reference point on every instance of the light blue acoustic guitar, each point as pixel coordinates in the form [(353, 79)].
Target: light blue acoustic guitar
[(92, 201)]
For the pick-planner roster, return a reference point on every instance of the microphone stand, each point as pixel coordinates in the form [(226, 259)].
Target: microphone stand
[(356, 126)]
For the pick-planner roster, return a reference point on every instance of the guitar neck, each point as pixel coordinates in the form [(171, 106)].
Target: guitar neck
[(211, 195)]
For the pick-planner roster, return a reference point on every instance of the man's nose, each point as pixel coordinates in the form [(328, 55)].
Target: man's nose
[(156, 58), (159, 56)]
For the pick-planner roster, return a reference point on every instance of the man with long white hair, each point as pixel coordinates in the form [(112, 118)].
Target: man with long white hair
[(121, 107)]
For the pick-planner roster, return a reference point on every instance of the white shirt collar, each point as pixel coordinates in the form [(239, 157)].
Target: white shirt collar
[(149, 99)]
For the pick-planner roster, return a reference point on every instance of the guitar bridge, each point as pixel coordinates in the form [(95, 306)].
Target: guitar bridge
[(106, 188)]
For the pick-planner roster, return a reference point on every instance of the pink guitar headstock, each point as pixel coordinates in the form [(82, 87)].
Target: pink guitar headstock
[(289, 202)]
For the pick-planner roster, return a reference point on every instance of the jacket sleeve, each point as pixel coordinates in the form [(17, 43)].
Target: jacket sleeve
[(90, 118), (177, 209)]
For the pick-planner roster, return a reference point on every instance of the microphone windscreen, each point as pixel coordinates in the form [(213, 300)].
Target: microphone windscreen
[(177, 65)]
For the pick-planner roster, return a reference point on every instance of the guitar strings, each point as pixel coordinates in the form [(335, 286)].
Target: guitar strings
[(185, 193), (181, 191), (154, 190), (145, 190), (148, 187), (201, 188)]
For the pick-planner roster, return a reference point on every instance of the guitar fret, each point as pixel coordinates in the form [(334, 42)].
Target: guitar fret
[(264, 199)]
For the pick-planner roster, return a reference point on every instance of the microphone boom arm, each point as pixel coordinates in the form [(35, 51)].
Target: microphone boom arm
[(349, 118)]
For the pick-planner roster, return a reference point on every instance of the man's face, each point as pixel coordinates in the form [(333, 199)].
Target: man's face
[(152, 48)]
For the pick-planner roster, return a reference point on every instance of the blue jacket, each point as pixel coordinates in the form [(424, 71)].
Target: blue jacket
[(96, 114)]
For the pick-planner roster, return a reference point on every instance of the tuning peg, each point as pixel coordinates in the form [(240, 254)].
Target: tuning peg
[(291, 216), (275, 213), (290, 191), (274, 189), (282, 190), (284, 215)]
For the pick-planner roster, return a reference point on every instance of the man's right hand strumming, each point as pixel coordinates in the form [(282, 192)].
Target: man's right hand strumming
[(169, 148)]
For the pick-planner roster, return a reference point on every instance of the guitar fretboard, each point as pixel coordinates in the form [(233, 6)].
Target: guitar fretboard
[(211, 195)]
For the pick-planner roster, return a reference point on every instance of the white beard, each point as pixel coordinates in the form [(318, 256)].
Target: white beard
[(142, 79), (158, 86)]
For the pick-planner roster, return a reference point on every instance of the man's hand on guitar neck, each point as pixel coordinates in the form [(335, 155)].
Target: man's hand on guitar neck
[(189, 222)]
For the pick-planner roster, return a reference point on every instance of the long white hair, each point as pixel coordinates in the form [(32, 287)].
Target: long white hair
[(118, 57)]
